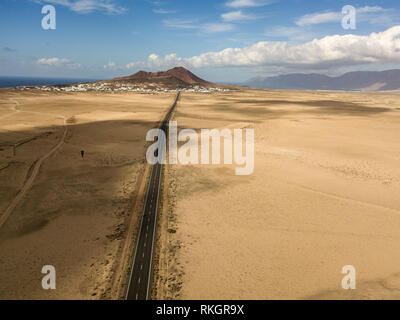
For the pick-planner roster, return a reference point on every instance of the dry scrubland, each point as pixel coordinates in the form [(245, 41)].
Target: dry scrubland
[(324, 194), (77, 212)]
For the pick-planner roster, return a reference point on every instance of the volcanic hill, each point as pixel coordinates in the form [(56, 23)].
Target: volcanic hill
[(178, 77)]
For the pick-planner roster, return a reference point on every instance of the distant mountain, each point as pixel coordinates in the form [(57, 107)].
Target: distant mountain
[(176, 77), (364, 81)]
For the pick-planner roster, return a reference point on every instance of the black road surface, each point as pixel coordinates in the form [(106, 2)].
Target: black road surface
[(139, 287)]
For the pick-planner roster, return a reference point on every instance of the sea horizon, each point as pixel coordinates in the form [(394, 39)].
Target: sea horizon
[(17, 81)]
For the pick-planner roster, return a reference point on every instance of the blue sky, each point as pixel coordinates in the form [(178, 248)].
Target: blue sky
[(228, 40)]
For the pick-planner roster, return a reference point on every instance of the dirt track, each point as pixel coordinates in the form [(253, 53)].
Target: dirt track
[(28, 184)]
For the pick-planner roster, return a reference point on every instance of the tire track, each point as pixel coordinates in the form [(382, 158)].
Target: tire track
[(29, 182), (13, 108)]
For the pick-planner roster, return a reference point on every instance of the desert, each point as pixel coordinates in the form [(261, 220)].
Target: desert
[(199, 159), (323, 195), (77, 212)]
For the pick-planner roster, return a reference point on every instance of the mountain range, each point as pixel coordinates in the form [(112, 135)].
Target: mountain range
[(352, 81)]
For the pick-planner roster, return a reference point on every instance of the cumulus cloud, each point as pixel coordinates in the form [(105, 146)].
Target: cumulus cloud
[(88, 6), (52, 61), (133, 65), (57, 62), (325, 53), (110, 65)]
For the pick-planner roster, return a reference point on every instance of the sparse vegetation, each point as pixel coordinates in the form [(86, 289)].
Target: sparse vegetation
[(72, 120)]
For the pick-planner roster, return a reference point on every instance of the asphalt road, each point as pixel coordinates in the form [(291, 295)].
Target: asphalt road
[(140, 282)]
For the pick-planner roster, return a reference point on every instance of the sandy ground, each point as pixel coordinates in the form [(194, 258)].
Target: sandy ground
[(324, 194), (76, 213)]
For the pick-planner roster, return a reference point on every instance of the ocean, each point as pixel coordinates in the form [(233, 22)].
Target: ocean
[(8, 82)]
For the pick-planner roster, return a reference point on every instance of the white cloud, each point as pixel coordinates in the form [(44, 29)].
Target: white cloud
[(317, 18), (181, 24), (247, 3), (156, 2), (370, 14), (163, 11), (57, 62), (193, 24), (133, 65), (216, 27), (52, 61), (110, 65), (236, 16), (325, 53), (88, 6), (371, 9)]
